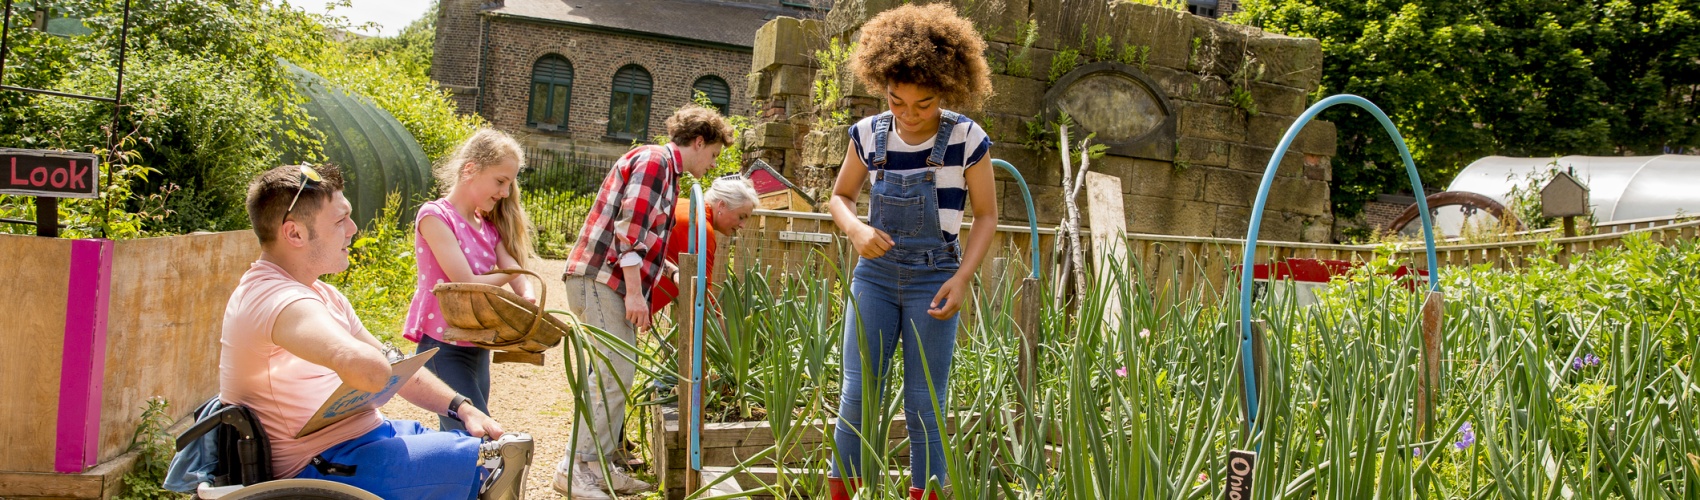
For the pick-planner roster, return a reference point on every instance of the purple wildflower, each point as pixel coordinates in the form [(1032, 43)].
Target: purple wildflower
[(1591, 359), (1466, 436)]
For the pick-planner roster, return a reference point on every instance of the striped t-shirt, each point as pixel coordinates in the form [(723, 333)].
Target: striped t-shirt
[(968, 144)]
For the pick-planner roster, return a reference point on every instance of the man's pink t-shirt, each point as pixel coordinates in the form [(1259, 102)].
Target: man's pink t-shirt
[(283, 390), (424, 315)]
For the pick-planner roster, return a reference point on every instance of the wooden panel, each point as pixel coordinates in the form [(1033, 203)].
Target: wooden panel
[(103, 481), (164, 321), (35, 270)]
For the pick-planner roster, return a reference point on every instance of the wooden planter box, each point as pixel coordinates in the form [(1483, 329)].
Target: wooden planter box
[(96, 328), (726, 444)]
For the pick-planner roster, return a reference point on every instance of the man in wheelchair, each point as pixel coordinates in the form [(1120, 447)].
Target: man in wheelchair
[(289, 341)]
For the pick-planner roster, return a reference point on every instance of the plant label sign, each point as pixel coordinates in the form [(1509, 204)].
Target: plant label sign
[(58, 174), (805, 237), (1237, 485)]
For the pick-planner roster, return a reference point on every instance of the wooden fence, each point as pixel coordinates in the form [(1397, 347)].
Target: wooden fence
[(810, 244)]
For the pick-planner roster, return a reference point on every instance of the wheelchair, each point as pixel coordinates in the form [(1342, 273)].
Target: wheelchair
[(243, 468)]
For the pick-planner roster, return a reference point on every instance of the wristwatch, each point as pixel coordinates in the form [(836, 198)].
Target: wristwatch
[(454, 406)]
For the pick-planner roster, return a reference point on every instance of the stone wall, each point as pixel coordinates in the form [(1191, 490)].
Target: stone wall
[(1206, 103)]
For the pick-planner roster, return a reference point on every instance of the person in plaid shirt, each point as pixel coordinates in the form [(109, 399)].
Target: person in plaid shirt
[(614, 267)]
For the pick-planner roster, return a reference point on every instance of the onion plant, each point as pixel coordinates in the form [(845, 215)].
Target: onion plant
[(1558, 381)]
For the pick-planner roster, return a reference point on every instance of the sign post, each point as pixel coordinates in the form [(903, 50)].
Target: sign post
[(48, 176)]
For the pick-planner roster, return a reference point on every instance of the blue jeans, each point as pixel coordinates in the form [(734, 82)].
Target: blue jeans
[(402, 459), (890, 298), (466, 370)]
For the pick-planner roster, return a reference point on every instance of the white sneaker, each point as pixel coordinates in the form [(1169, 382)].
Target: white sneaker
[(623, 483), (585, 485)]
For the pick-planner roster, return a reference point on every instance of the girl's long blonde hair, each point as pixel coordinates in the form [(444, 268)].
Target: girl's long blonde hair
[(485, 148)]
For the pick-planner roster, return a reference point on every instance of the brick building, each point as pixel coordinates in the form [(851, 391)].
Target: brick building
[(594, 75)]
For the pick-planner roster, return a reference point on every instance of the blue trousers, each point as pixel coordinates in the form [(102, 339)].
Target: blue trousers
[(401, 459), (890, 298), (466, 370)]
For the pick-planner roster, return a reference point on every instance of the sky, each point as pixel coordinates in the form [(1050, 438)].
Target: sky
[(391, 15)]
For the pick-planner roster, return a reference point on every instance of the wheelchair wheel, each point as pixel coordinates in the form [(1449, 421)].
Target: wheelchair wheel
[(307, 489)]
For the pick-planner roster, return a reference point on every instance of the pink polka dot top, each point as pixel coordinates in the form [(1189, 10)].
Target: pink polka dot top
[(424, 317)]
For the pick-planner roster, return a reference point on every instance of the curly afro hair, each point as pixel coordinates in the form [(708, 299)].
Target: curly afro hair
[(928, 46)]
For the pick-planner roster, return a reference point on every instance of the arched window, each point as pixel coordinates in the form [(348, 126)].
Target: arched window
[(717, 91), (628, 114), (551, 91)]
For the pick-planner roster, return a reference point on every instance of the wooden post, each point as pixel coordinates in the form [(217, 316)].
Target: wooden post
[(1428, 381), (1569, 226), (1027, 320), (47, 216), (1109, 239), (683, 344)]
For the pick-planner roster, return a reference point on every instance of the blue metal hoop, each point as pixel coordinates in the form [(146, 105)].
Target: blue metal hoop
[(1247, 370)]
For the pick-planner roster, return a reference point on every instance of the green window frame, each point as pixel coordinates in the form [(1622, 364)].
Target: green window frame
[(718, 92), (551, 93), (628, 111)]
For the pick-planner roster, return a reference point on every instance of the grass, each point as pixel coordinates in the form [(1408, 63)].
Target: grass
[(1574, 382)]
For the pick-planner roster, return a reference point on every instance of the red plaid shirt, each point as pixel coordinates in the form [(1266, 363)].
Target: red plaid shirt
[(631, 220)]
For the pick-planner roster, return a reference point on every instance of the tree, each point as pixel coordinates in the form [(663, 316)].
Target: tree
[(1463, 79)]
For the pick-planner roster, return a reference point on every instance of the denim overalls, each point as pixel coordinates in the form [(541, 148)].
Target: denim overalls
[(890, 298)]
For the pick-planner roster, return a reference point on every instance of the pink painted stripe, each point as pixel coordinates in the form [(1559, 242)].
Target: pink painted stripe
[(84, 366)]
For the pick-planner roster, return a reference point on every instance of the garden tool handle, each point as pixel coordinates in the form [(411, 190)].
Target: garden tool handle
[(542, 297)]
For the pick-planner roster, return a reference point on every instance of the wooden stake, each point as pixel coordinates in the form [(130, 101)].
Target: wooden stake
[(683, 346), (1428, 382)]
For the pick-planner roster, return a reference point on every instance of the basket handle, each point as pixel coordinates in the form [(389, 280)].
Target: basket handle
[(542, 297)]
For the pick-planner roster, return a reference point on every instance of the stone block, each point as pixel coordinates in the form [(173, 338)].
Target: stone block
[(1181, 85), (1155, 27), (1276, 226), (1317, 230), (1005, 128), (1299, 195), (1201, 152), (792, 80), (1232, 222), (760, 84), (1256, 160), (1288, 61), (1193, 218), (997, 20), (1229, 187), (1206, 121), (1265, 130), (1024, 160), (772, 135), (1149, 215), (1220, 47), (1277, 99), (852, 14), (1047, 202), (1318, 138), (1319, 168), (786, 40), (1040, 62), (1162, 179), (1016, 96), (825, 147)]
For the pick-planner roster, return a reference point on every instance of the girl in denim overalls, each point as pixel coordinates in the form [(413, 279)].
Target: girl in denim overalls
[(927, 166)]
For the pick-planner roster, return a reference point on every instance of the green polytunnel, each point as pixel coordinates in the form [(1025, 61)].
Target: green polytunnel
[(377, 155)]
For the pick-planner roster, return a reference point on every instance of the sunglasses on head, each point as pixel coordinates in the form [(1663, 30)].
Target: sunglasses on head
[(307, 175)]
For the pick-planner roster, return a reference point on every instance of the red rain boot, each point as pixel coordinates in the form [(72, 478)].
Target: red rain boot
[(841, 489), (916, 494)]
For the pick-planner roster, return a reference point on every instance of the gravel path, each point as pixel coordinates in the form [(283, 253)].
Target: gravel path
[(525, 398)]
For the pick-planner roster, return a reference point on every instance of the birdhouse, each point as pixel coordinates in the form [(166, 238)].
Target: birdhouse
[(1564, 196), (775, 191)]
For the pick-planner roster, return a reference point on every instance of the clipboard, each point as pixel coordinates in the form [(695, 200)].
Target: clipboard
[(347, 401)]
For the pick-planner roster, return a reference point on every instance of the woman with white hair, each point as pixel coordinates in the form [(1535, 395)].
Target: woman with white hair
[(729, 201)]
